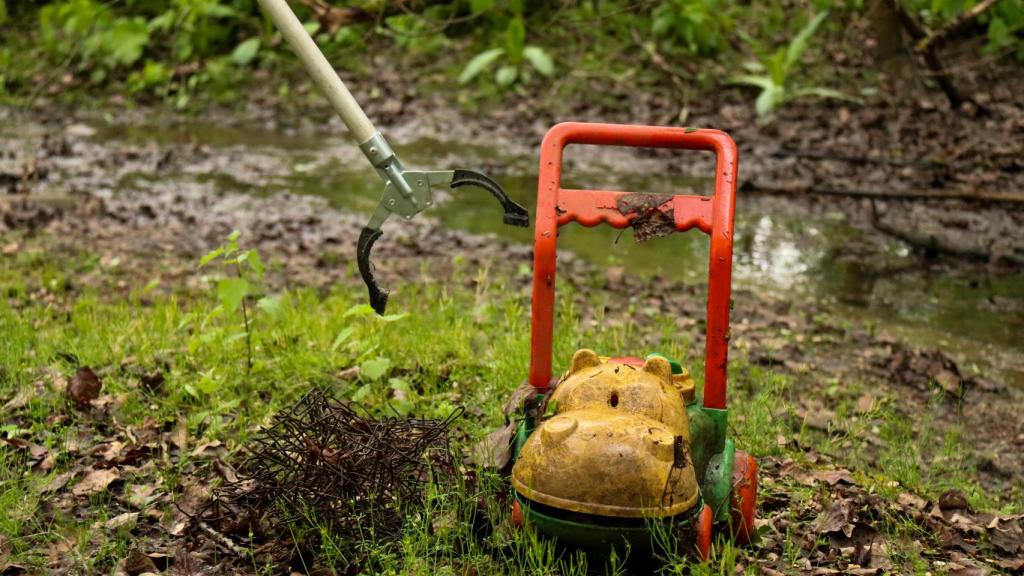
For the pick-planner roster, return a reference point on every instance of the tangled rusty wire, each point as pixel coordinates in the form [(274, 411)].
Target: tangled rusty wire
[(330, 461)]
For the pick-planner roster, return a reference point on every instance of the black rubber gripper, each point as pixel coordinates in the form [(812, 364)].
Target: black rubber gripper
[(515, 215), (378, 296)]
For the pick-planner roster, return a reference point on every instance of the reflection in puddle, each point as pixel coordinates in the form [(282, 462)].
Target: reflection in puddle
[(767, 253)]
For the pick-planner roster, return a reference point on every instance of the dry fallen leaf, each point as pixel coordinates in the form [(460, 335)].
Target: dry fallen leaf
[(349, 373), (84, 387), (108, 451), (1006, 535), (865, 404), (949, 381), (119, 521), (495, 451), (137, 563), (206, 449), (139, 495), (519, 396), (911, 501), (19, 400), (35, 451), (152, 381), (1014, 565), (95, 481), (952, 500), (835, 518), (833, 477), (58, 482), (179, 437)]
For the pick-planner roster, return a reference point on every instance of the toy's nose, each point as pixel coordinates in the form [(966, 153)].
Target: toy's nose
[(557, 429), (661, 443)]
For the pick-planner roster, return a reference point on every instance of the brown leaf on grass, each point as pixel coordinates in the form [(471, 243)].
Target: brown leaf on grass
[(1006, 535), (349, 373), (519, 396), (47, 463), (152, 381), (19, 400), (185, 564), (833, 477), (907, 500), (107, 451), (835, 518), (193, 497), (1014, 565), (11, 569), (963, 565), (952, 500), (948, 381), (495, 451), (84, 387), (95, 481), (206, 449), (137, 563), (58, 482), (866, 403), (120, 521), (226, 471), (139, 495), (179, 436), (814, 414), (35, 451)]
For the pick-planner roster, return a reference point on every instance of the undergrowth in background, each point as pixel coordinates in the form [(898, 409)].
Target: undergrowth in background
[(461, 344), (178, 50)]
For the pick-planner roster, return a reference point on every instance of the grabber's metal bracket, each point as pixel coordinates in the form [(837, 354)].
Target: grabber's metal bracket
[(418, 197)]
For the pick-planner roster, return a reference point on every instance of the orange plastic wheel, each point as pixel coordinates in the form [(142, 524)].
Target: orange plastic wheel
[(743, 500), (704, 534), (517, 513)]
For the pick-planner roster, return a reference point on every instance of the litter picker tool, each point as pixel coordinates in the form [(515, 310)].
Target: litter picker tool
[(406, 192)]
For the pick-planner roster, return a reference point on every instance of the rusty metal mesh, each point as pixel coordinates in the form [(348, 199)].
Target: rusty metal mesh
[(332, 462)]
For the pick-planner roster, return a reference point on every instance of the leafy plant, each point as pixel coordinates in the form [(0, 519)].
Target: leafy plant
[(234, 292), (773, 73), (90, 31), (514, 55), (698, 26), (1004, 22)]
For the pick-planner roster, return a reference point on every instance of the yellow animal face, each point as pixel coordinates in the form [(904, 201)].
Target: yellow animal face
[(617, 445)]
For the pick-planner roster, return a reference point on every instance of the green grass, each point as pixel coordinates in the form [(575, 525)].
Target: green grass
[(463, 344)]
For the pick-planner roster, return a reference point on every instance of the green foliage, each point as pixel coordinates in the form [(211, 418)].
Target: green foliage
[(157, 46), (698, 26), (90, 30), (512, 56), (773, 72), (244, 53), (178, 49), (1004, 22), (243, 282)]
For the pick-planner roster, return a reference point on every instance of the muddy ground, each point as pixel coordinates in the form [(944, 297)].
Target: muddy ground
[(65, 196), (64, 192)]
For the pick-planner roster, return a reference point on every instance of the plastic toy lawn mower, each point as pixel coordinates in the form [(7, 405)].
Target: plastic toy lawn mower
[(620, 443)]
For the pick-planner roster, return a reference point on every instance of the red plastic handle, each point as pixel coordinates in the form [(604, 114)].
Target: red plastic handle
[(557, 206)]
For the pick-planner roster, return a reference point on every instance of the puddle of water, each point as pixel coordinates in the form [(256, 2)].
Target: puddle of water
[(781, 247)]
